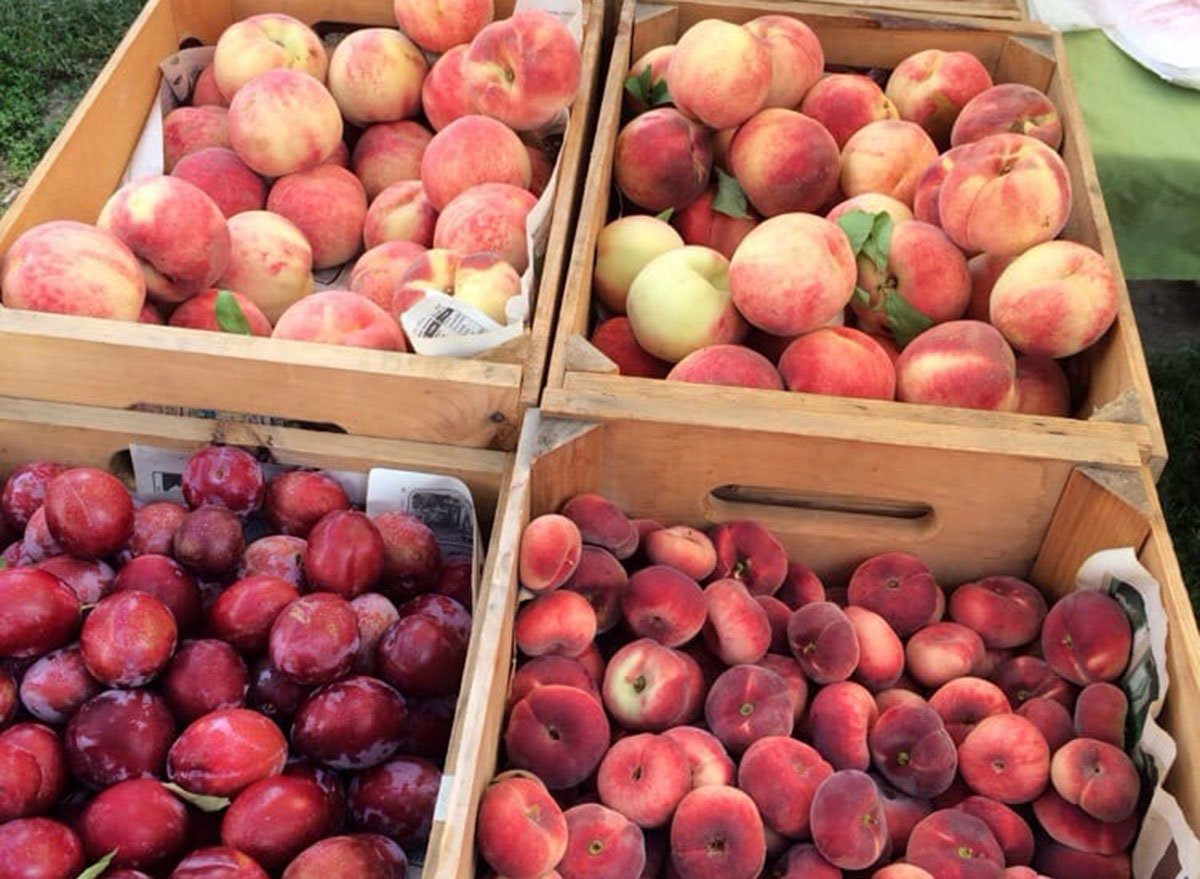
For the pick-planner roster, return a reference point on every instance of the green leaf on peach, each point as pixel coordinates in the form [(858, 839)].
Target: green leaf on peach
[(862, 296), (730, 198), (665, 214), (647, 90), (99, 867), (878, 246), (230, 317), (905, 322), (857, 225)]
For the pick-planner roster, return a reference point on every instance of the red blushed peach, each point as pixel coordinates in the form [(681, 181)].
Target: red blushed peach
[(205, 92), (72, 268), (1008, 108), (1005, 194), (700, 224), (1061, 862), (265, 42), (894, 696), (602, 524), (785, 162), (824, 642), (682, 548), (1005, 611), (624, 247), (872, 203), (901, 813), (803, 861), (546, 670), (839, 718), (901, 871), (887, 156), (560, 623), (793, 676), (911, 749), (664, 604), (801, 586), (1087, 638), (559, 733), (1075, 828), (644, 777), (488, 217), (1042, 387), (517, 806), (388, 153), (985, 269), (781, 775), (708, 761), (282, 122), (470, 151), (1098, 777), (1100, 713), (200, 313), (952, 843), (378, 272), (880, 653), (730, 365), (188, 130), (550, 550), (898, 587), (738, 630), (845, 102), (792, 274), (749, 553), (663, 160), (339, 317), (1027, 677), (1009, 828), (717, 832), (941, 652), (720, 73), (963, 702), (444, 94), (929, 187), (747, 703), (1006, 758), (327, 204), (402, 212), (848, 825), (839, 362), (931, 87), (1054, 300), (224, 178), (646, 686), (375, 75), (600, 579), (962, 363), (796, 58), (176, 231), (656, 61), (1051, 719), (778, 615), (270, 262), (602, 842)]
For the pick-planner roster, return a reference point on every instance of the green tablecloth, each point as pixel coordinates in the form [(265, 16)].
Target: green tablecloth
[(1145, 134)]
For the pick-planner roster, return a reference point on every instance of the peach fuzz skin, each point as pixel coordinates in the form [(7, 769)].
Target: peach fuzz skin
[(1011, 107), (931, 87), (785, 162), (839, 361), (328, 204), (439, 27), (719, 73), (889, 157), (444, 95), (270, 262), (469, 151), (339, 317), (282, 122), (731, 365), (623, 248), (225, 179), (663, 160), (375, 75), (845, 102), (265, 42), (961, 363), (796, 58)]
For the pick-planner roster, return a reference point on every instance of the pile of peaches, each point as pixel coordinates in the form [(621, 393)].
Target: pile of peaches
[(262, 187), (782, 204), (258, 683), (766, 725)]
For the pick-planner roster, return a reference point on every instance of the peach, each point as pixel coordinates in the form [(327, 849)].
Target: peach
[(469, 151), (824, 642), (602, 842), (663, 160), (1067, 863), (785, 162), (546, 670), (731, 365), (962, 363), (488, 217), (846, 102), (894, 696), (437, 28), (796, 58), (378, 272), (646, 686), (898, 587), (881, 655), (1005, 611), (708, 761), (270, 262), (1005, 757), (1098, 777), (560, 622), (549, 553), (929, 187), (592, 662), (680, 302), (664, 604), (685, 549), (402, 212), (1005, 194), (600, 579), (1087, 638), (328, 204), (911, 748), (559, 733), (848, 825), (339, 317), (188, 130), (266, 42), (717, 834), (1100, 713), (932, 86), (782, 775), (1011, 107), (887, 156), (375, 75), (642, 97), (524, 70), (840, 717), (388, 153), (792, 274), (72, 268), (1009, 828), (900, 870), (1076, 829), (803, 861), (1055, 299), (778, 615), (1051, 718), (901, 813), (839, 362), (1042, 387), (204, 312), (516, 808), (282, 122), (486, 282), (205, 92), (738, 630), (721, 74), (623, 249), (963, 702), (953, 843), (224, 178), (801, 586), (700, 224), (644, 777), (601, 523), (175, 230), (1027, 677), (872, 203), (788, 669), (746, 703), (541, 162), (941, 652), (340, 156)]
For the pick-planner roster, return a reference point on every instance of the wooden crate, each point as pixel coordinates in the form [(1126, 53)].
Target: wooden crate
[(1013, 10), (831, 510), (468, 402), (1116, 405), (94, 437)]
